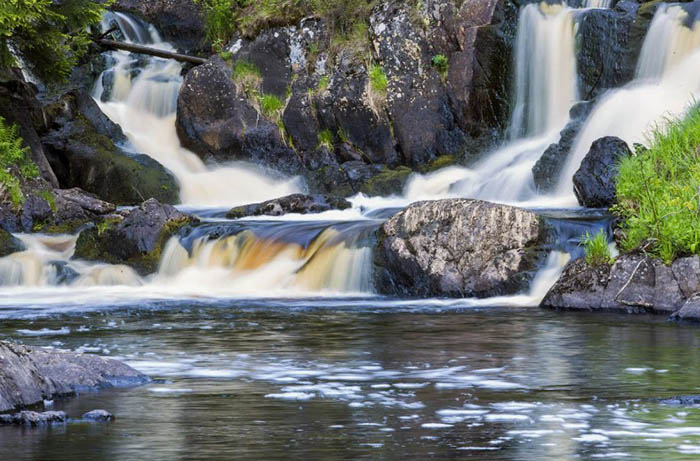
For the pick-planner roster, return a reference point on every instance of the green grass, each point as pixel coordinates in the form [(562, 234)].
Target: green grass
[(219, 20), (270, 105), (441, 64), (597, 250), (658, 192), (323, 83), (378, 79), (15, 164), (247, 74), (325, 139)]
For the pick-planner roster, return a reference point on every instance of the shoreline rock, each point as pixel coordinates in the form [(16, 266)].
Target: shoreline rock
[(28, 375), (294, 203)]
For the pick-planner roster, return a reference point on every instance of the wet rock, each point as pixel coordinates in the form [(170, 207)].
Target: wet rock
[(216, 120), (33, 418), (28, 375), (633, 284), (458, 248), (594, 182), (690, 310), (295, 203), (682, 400), (548, 168), (9, 244), (98, 415), (82, 151), (608, 49), (136, 240), (180, 21)]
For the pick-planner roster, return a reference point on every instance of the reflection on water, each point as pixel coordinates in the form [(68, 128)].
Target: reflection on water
[(372, 380)]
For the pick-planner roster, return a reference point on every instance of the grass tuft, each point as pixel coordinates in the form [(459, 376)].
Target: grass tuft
[(597, 250)]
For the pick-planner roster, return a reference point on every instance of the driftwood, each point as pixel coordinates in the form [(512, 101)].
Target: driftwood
[(133, 48)]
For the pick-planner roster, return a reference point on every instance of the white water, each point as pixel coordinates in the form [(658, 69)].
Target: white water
[(144, 106), (666, 85)]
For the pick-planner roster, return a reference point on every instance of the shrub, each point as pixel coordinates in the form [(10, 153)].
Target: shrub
[(48, 36), (658, 191), (15, 163), (378, 79), (440, 64), (325, 139), (596, 247)]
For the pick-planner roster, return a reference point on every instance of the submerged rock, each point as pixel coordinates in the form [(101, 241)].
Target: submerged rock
[(295, 203), (633, 284), (33, 418), (595, 180), (28, 375), (458, 248), (136, 240)]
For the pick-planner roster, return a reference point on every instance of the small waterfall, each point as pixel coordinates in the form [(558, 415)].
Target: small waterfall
[(666, 84), (140, 94), (545, 70), (597, 4)]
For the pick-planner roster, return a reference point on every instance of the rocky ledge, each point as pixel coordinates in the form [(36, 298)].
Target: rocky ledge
[(458, 248), (633, 284), (295, 203), (28, 375)]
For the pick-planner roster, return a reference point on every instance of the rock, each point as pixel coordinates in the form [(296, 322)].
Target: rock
[(216, 120), (33, 418), (136, 240), (607, 55), (690, 310), (595, 180), (28, 375), (633, 284), (180, 21), (9, 244), (295, 203), (98, 415), (687, 272), (270, 53), (549, 166), (682, 400), (458, 248), (82, 151)]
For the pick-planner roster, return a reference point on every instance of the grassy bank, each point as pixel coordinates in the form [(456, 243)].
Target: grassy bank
[(658, 192)]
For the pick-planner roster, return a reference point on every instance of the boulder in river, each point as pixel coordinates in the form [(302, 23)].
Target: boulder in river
[(136, 239), (28, 375), (633, 284), (595, 180), (295, 203), (33, 418), (98, 415), (458, 248)]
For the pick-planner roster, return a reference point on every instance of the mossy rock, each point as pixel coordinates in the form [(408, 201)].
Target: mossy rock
[(441, 162), (9, 244), (387, 182)]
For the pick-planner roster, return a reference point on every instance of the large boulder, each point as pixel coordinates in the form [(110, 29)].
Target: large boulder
[(179, 21), (633, 284), (295, 203), (595, 180), (137, 240), (29, 375), (458, 248)]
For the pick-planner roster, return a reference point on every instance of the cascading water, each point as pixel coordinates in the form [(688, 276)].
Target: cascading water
[(666, 85), (142, 96)]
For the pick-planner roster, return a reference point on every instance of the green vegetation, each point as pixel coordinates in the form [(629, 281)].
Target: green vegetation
[(325, 139), (247, 74), (440, 64), (378, 79), (219, 20), (658, 192), (323, 83), (597, 250), (15, 164), (271, 106), (48, 36)]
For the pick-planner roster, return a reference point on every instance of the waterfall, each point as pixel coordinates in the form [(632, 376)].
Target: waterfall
[(666, 84), (597, 4), (140, 94), (545, 70)]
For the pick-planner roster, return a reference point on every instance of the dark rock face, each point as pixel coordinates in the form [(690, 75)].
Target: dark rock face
[(216, 120), (9, 244), (548, 168), (82, 151), (634, 284), (608, 48), (180, 21), (30, 374), (98, 415), (295, 203), (33, 418), (458, 248), (136, 240), (594, 182)]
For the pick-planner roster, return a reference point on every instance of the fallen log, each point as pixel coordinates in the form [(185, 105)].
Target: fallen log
[(134, 48)]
